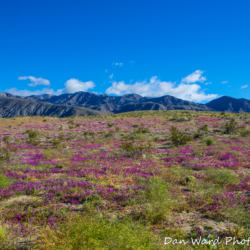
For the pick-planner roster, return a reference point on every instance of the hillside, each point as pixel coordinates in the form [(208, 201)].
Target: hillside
[(11, 107)]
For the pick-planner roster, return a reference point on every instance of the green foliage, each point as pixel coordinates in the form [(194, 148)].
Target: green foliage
[(4, 181), (190, 179), (244, 132), (88, 133), (209, 142), (178, 138), (109, 134), (110, 125), (6, 138), (47, 155), (230, 127), (141, 130), (132, 149), (60, 137), (55, 142), (83, 232), (2, 234), (4, 154), (32, 137), (204, 128), (223, 177), (155, 201)]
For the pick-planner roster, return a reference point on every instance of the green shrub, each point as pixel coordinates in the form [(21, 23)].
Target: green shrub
[(2, 234), (55, 142), (244, 132), (190, 179), (82, 232), (131, 149), (110, 125), (204, 128), (32, 137), (4, 181), (223, 177), (141, 130), (47, 155), (6, 138), (178, 138), (4, 154), (209, 142), (230, 127)]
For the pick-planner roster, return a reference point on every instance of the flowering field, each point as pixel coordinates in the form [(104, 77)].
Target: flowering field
[(124, 181)]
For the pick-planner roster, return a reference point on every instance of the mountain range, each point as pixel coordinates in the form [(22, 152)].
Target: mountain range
[(86, 103)]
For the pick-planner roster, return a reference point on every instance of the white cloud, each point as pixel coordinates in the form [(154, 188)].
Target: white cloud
[(71, 86), (243, 87), (224, 82), (26, 92), (207, 83), (35, 81), (74, 85), (111, 76), (118, 64), (156, 88), (194, 77)]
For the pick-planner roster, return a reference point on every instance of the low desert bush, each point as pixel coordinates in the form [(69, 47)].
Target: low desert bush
[(4, 181), (230, 127), (4, 154), (178, 138), (132, 149), (209, 142), (82, 232), (223, 177)]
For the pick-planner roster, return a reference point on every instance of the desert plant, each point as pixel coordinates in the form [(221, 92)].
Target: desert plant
[(209, 142), (4, 154), (132, 149), (32, 137), (244, 132), (223, 177), (82, 232), (230, 127), (178, 138), (203, 128)]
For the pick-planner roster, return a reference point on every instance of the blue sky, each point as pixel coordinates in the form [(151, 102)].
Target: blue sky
[(194, 50)]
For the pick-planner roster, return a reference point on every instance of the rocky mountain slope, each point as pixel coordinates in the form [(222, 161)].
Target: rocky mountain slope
[(230, 104), (117, 104), (10, 107), (131, 102)]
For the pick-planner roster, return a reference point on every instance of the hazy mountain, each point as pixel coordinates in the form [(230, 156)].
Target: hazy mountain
[(230, 104), (11, 106)]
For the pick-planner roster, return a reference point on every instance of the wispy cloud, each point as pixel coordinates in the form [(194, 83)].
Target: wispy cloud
[(243, 87), (111, 76), (35, 81), (117, 64), (26, 92), (194, 77), (156, 88), (207, 83), (224, 82)]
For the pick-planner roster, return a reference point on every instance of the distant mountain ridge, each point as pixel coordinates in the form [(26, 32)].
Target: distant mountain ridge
[(130, 102), (12, 107)]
